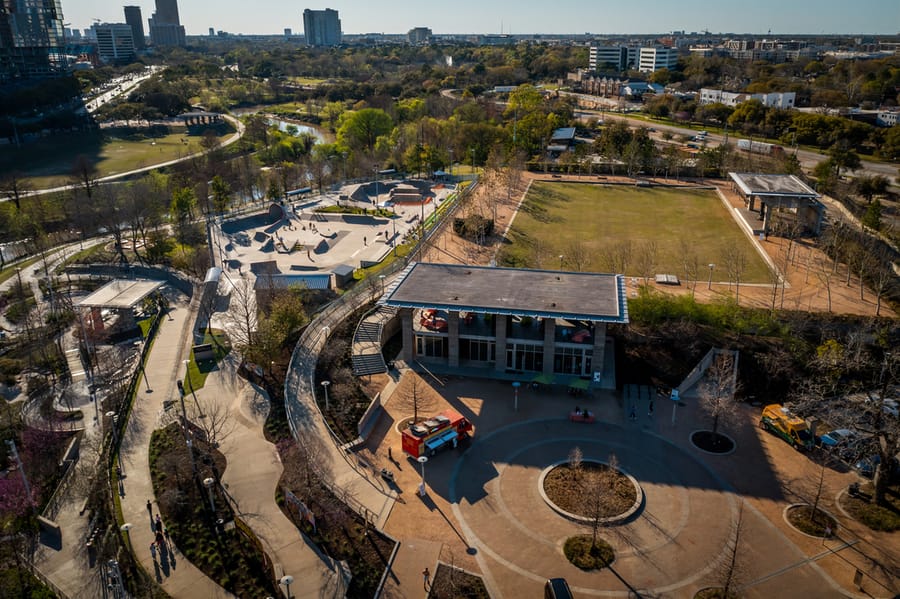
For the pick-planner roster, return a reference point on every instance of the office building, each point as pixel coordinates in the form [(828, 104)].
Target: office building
[(608, 58), (136, 22), (771, 99), (656, 58), (165, 27), (32, 39), (322, 27), (419, 35), (115, 42)]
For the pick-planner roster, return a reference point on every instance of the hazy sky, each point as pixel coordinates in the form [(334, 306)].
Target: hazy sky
[(533, 16)]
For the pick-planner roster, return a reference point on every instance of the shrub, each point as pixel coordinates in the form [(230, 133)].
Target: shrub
[(474, 227), (583, 554)]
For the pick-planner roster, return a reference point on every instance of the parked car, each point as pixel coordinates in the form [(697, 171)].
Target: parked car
[(837, 438), (856, 449), (557, 588)]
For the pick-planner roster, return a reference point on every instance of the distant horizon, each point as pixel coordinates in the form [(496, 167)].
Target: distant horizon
[(770, 18)]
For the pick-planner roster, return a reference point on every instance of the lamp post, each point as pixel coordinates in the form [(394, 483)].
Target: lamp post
[(561, 261), (287, 581), (709, 282), (375, 173), (422, 460), (126, 528), (516, 385), (381, 278), (187, 380), (451, 164), (140, 346), (325, 387), (208, 483)]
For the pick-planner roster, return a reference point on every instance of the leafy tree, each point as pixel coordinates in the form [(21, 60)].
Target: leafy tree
[(842, 157), (869, 186), (872, 217), (362, 128), (221, 193), (182, 208)]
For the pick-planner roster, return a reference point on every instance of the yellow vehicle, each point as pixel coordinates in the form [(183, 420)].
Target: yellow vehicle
[(793, 429)]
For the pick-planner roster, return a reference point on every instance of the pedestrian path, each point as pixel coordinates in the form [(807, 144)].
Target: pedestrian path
[(251, 478), (162, 368)]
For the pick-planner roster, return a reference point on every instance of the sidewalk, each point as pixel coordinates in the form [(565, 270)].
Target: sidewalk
[(251, 478), (163, 366)]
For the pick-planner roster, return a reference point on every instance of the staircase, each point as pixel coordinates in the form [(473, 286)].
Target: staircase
[(367, 358)]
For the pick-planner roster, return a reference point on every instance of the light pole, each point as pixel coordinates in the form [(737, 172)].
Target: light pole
[(325, 386), (381, 278), (208, 483), (375, 173), (113, 418), (561, 261), (422, 460), (451, 164), (516, 385), (140, 346), (187, 380), (287, 581), (709, 282)]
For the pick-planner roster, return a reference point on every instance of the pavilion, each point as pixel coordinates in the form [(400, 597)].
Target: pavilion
[(785, 194)]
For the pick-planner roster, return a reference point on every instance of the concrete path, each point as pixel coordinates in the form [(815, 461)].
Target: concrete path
[(251, 478), (163, 368), (405, 579)]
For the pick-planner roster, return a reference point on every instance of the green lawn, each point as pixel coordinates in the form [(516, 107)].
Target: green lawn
[(555, 216), (48, 162), (198, 371)]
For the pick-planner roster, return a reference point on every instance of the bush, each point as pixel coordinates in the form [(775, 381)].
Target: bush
[(474, 227), (583, 554), (10, 369)]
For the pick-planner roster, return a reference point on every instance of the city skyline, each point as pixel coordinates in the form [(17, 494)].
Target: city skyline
[(880, 17)]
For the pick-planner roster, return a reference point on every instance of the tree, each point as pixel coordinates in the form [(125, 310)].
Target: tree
[(869, 186), (84, 175), (413, 396), (735, 261), (576, 460), (16, 185), (731, 571), (645, 259), (872, 217), (242, 314), (690, 264), (221, 193), (182, 208), (717, 392), (843, 157), (361, 129)]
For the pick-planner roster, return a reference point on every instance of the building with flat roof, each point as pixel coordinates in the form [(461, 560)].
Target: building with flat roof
[(656, 58), (781, 197), (136, 22), (322, 27), (771, 100), (509, 321), (32, 39), (419, 35), (165, 26), (115, 42)]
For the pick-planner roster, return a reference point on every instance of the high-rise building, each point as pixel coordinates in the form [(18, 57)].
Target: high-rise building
[(134, 20), (165, 27), (32, 39), (656, 58), (322, 27), (419, 35), (115, 42)]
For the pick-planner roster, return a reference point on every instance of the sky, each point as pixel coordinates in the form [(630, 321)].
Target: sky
[(504, 16)]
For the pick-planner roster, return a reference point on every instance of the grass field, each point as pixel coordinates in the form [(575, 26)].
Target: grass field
[(48, 162), (555, 217)]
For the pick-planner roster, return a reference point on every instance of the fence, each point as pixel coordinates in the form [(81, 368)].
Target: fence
[(300, 379)]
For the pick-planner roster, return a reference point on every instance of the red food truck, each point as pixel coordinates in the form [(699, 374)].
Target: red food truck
[(446, 429)]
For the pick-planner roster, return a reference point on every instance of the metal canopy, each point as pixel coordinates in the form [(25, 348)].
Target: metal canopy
[(121, 294)]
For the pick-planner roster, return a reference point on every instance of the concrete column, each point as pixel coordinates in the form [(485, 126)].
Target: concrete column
[(409, 338), (549, 344), (500, 324), (767, 219), (453, 339), (599, 356), (751, 198)]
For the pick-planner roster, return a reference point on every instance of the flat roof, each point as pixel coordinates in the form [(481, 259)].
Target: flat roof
[(120, 293), (514, 291), (563, 133), (772, 185)]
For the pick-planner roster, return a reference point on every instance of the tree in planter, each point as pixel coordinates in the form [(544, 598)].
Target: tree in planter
[(414, 396), (717, 392), (732, 570)]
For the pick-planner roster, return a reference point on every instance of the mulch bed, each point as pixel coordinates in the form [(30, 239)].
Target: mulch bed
[(584, 553), (712, 442), (453, 583), (571, 489), (800, 517), (877, 517)]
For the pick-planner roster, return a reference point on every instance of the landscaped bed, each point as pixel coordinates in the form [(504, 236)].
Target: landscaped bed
[(818, 524), (453, 583), (877, 517), (571, 489), (221, 552)]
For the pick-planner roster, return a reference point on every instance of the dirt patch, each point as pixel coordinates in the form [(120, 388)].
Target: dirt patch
[(575, 490), (712, 442), (453, 583)]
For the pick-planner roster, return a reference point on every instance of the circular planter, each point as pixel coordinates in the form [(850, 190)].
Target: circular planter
[(794, 506), (702, 440), (638, 499)]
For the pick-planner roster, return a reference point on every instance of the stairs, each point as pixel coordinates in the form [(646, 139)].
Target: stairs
[(367, 358)]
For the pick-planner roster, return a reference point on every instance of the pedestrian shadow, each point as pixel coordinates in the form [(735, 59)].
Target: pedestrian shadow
[(164, 560), (156, 571)]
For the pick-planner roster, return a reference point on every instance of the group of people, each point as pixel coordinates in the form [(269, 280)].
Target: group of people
[(586, 413), (162, 540)]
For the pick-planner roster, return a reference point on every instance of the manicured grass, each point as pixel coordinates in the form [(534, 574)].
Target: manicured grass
[(877, 517), (556, 215), (198, 371), (48, 162), (10, 271)]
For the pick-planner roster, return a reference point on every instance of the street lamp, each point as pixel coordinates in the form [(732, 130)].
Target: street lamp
[(208, 483), (422, 460), (516, 385), (709, 282), (287, 581), (375, 173), (140, 346), (381, 278), (325, 386), (125, 528)]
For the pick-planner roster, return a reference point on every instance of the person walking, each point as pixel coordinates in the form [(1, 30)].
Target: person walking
[(633, 414), (426, 575), (150, 509), (153, 551), (650, 408), (159, 524)]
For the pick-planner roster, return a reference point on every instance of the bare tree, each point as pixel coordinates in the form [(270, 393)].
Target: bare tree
[(213, 417), (690, 264), (413, 396), (734, 258), (617, 257), (576, 459), (600, 485), (16, 185), (242, 313), (645, 259), (717, 392), (577, 255)]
